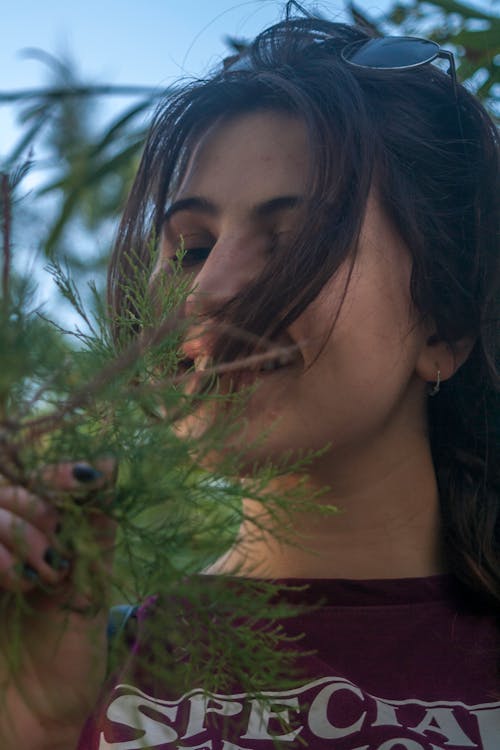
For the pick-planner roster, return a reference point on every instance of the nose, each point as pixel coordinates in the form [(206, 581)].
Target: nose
[(231, 265)]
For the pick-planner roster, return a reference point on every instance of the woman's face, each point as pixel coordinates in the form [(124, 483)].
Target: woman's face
[(361, 389)]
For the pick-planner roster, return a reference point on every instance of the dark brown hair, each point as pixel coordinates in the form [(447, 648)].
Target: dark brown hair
[(434, 159)]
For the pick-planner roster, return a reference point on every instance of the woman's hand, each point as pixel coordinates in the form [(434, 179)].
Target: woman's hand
[(54, 686)]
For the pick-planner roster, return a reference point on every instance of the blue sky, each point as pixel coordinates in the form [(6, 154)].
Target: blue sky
[(150, 42)]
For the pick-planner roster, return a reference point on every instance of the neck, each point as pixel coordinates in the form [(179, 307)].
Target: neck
[(387, 524)]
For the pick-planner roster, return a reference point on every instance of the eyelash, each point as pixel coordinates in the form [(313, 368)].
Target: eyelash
[(194, 256)]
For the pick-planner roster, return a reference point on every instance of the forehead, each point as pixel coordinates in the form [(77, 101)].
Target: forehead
[(248, 158)]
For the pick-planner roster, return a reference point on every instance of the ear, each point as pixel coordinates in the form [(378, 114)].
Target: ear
[(437, 354)]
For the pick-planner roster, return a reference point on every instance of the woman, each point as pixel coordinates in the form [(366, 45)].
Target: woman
[(340, 210)]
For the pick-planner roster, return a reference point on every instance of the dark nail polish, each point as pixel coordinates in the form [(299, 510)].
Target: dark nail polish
[(54, 559), (29, 572), (58, 528), (86, 473)]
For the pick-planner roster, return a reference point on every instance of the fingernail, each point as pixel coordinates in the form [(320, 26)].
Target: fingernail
[(54, 559), (86, 473), (29, 572), (58, 528)]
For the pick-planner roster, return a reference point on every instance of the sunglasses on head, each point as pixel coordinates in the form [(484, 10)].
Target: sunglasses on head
[(397, 53), (380, 53)]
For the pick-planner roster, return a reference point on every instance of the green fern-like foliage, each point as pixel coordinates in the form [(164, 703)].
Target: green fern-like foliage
[(67, 396)]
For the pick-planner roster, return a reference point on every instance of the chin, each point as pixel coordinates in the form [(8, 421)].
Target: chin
[(248, 427)]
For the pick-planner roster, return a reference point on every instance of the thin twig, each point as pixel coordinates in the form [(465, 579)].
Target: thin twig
[(75, 91), (38, 394), (6, 226), (251, 362)]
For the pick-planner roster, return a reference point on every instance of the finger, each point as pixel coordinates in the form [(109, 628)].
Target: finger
[(11, 573), (75, 476), (30, 507), (24, 541)]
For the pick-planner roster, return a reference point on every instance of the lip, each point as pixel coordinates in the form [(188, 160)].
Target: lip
[(230, 377), (198, 348), (245, 378)]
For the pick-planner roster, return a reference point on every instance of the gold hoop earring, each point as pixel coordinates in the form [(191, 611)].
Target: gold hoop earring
[(435, 389)]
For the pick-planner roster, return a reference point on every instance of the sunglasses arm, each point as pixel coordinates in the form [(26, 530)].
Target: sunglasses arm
[(452, 71)]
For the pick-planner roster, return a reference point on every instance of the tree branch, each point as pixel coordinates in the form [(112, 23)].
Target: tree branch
[(7, 97)]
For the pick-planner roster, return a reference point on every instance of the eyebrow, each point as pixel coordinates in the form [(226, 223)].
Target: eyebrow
[(259, 211)]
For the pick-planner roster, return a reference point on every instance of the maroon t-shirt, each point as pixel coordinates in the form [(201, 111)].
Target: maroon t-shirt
[(405, 664)]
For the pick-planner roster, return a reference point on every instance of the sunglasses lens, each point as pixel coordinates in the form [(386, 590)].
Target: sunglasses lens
[(390, 52)]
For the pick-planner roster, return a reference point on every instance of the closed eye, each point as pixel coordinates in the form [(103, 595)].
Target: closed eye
[(194, 247), (193, 256)]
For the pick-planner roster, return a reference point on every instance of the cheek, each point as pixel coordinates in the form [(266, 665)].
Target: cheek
[(368, 358)]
